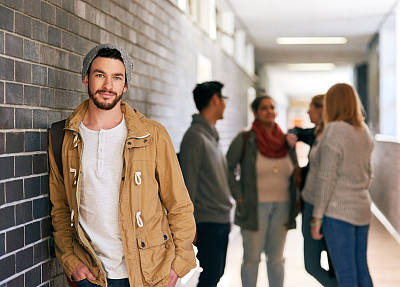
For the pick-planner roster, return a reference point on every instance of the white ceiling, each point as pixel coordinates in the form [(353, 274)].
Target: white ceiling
[(265, 20)]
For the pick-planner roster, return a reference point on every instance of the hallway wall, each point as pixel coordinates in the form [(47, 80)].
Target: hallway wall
[(42, 44), (383, 113), (385, 188)]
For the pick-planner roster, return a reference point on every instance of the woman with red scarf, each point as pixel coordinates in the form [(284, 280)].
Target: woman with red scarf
[(261, 178)]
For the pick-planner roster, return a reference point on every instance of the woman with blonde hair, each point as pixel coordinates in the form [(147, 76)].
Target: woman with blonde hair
[(312, 248), (342, 201)]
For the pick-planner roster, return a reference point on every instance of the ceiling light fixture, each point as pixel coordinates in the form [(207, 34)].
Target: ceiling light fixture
[(311, 40), (311, 67)]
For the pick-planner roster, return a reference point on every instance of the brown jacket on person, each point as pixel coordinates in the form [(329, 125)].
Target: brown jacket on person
[(155, 212)]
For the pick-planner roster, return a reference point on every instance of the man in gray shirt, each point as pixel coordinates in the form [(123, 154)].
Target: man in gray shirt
[(205, 172)]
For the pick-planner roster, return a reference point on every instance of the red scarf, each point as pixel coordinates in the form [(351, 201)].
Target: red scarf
[(270, 144)]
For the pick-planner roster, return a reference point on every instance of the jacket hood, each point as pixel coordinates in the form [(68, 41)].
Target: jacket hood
[(133, 118), (202, 122)]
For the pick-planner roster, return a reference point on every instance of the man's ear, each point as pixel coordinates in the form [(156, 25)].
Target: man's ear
[(86, 81), (125, 87), (215, 99)]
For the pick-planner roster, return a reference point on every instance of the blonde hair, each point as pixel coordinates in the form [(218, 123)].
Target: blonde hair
[(318, 102), (342, 103)]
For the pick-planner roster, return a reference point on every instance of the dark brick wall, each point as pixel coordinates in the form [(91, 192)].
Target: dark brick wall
[(42, 44)]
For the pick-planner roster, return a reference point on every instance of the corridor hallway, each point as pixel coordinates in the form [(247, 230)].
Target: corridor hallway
[(383, 259)]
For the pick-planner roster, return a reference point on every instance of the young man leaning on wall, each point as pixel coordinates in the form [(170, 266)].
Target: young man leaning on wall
[(121, 212)]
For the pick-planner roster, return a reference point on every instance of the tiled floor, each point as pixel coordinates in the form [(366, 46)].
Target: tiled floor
[(383, 257)]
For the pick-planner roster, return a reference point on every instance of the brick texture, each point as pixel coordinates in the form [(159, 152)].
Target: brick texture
[(32, 232), (6, 18), (14, 191), (14, 239), (42, 45), (7, 267), (33, 277)]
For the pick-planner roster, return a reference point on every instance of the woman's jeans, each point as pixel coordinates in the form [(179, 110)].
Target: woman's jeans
[(313, 249), (347, 245), (270, 238), (110, 283)]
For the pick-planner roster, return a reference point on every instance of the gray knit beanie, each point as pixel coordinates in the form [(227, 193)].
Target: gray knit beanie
[(128, 63)]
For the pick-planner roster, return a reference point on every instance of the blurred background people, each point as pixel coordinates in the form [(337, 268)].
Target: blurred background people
[(312, 248), (342, 201), (205, 172), (261, 180)]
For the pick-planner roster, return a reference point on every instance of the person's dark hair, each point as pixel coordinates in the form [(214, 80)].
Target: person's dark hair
[(108, 53), (203, 93), (256, 102)]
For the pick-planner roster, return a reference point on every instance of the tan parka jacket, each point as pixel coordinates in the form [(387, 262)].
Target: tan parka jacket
[(155, 215)]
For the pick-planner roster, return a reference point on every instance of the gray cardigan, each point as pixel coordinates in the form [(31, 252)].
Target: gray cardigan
[(246, 213), (205, 172), (344, 174)]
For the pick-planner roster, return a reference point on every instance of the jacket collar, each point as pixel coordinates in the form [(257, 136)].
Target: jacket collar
[(133, 118), (201, 121)]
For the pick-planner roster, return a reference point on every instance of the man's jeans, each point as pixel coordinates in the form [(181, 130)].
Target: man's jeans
[(110, 283), (313, 249), (269, 238), (347, 245), (212, 243)]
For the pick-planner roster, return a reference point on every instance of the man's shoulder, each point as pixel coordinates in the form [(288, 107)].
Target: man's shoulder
[(153, 124), (194, 133)]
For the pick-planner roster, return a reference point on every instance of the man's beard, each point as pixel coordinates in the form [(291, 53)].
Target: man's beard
[(104, 106)]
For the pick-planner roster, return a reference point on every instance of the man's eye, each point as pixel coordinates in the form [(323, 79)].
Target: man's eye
[(118, 78), (99, 75)]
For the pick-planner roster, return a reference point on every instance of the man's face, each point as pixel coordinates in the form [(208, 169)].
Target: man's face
[(221, 106), (106, 82)]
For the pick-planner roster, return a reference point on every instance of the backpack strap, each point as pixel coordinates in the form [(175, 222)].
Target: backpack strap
[(57, 137)]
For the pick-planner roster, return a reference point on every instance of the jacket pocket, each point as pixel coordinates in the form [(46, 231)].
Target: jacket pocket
[(156, 255)]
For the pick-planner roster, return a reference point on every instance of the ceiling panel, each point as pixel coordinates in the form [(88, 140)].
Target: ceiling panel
[(265, 20)]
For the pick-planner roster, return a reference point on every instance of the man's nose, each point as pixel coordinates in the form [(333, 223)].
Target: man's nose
[(107, 84)]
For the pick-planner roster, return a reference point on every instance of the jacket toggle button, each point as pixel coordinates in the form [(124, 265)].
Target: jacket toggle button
[(73, 170), (165, 237), (145, 141), (138, 177), (143, 244)]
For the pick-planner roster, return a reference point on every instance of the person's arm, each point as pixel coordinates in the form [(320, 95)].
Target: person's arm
[(233, 156), (61, 218), (304, 135), (190, 158), (175, 199)]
